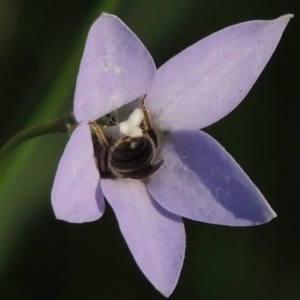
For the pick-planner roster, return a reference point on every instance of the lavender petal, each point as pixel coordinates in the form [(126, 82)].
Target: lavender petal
[(199, 180), (76, 194), (115, 69), (206, 81), (155, 237)]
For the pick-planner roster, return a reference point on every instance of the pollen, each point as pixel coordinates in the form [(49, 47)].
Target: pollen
[(131, 127)]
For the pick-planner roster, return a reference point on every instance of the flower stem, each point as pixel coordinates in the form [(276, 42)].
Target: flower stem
[(60, 124)]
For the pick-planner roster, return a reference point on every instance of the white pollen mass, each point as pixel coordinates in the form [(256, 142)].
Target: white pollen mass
[(136, 132), (136, 117), (131, 126), (125, 128)]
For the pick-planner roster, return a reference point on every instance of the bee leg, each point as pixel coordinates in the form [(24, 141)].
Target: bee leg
[(146, 120), (146, 125), (101, 149), (100, 135)]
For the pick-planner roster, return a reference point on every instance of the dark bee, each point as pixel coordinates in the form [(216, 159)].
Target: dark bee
[(127, 157)]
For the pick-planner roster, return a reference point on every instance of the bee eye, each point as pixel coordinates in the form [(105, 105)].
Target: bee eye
[(132, 155)]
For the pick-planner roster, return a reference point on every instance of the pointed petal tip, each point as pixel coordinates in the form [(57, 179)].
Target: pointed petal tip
[(167, 294), (287, 16), (284, 19), (272, 215), (104, 14)]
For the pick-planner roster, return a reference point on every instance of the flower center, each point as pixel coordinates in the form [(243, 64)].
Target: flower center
[(130, 156)]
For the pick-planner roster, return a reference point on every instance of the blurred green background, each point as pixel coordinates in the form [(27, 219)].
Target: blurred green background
[(41, 42)]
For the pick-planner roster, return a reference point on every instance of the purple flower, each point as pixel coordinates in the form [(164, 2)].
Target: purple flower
[(198, 179)]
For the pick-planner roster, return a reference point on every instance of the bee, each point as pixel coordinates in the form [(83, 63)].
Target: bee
[(130, 156)]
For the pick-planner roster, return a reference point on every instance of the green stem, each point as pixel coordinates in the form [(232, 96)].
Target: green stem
[(60, 124)]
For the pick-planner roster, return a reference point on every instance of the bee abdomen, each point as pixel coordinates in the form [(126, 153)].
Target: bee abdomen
[(132, 155)]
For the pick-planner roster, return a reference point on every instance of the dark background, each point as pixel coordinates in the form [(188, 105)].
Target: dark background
[(41, 42)]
